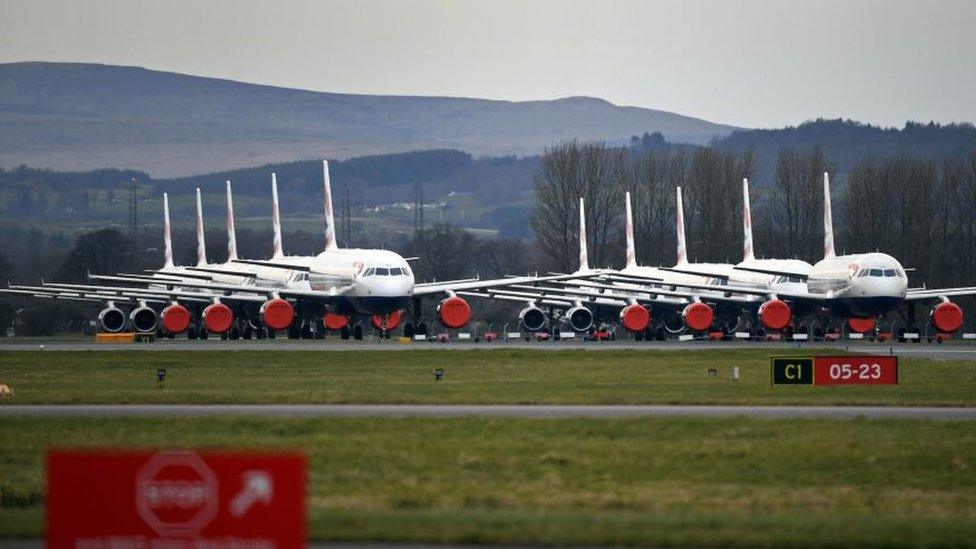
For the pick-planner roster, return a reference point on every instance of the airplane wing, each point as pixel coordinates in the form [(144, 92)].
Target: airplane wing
[(924, 293), (220, 290), (703, 274), (731, 293), (444, 287), (273, 265), (772, 272)]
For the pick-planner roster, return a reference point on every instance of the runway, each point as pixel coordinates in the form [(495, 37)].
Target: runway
[(958, 350), (489, 410)]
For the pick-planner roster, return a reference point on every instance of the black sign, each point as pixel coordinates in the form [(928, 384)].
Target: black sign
[(792, 371)]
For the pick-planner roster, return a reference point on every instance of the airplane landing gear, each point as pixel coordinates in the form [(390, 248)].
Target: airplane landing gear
[(357, 332)]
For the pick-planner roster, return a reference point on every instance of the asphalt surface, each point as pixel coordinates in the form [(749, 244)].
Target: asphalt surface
[(488, 410), (958, 350)]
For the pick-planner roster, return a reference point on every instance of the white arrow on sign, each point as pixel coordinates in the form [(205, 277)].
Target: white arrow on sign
[(258, 488)]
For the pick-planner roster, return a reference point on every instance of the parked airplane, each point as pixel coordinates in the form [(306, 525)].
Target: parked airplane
[(338, 282), (858, 287)]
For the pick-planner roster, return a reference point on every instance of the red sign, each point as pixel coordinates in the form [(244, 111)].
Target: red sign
[(99, 499), (855, 370)]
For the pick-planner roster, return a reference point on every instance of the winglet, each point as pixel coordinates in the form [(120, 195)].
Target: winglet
[(277, 253), (680, 229), (828, 221), (201, 245), (231, 233), (330, 238), (167, 239), (631, 254), (747, 252), (584, 263)]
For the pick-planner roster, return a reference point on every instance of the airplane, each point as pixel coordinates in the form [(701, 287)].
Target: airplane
[(337, 281), (858, 287)]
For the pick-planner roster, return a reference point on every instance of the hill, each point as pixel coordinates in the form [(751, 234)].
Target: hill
[(847, 142), (72, 116)]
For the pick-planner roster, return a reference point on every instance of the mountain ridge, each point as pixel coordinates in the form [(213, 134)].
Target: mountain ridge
[(83, 116)]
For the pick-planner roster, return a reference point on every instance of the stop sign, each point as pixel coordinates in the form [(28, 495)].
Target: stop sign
[(176, 494), (100, 499)]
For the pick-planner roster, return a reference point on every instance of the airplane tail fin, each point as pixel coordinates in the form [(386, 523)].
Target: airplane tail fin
[(584, 263), (231, 233), (201, 245), (680, 228), (747, 252), (828, 221), (631, 254), (278, 253), (167, 238), (330, 238)]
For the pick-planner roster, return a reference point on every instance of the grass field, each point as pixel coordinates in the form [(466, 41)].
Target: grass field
[(476, 376), (687, 482)]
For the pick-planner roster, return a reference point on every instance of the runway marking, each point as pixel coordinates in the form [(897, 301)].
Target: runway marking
[(489, 410)]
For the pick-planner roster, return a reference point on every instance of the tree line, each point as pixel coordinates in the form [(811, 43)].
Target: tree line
[(920, 209)]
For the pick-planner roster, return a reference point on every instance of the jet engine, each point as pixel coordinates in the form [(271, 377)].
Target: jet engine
[(335, 321), (697, 317), (579, 318), (176, 318), (217, 318), (387, 322), (635, 318), (946, 317), (112, 319), (860, 325), (532, 319), (775, 315), (143, 319), (277, 314), (454, 312)]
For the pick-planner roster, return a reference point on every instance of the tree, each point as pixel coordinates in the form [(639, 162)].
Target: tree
[(795, 204), (107, 251), (568, 172)]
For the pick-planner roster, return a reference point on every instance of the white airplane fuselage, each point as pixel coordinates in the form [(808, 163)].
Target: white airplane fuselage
[(859, 285)]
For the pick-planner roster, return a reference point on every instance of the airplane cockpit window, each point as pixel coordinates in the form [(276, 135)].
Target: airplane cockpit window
[(382, 271), (863, 273), (396, 271), (877, 272), (368, 272), (890, 273), (796, 279)]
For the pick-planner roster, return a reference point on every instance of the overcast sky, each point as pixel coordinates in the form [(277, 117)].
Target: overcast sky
[(750, 63)]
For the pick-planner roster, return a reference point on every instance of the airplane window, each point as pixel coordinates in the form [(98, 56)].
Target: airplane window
[(890, 272), (380, 271), (877, 272), (796, 279), (369, 272), (396, 271), (864, 272)]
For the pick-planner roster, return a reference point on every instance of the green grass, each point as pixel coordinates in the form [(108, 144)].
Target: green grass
[(679, 481), (475, 376)]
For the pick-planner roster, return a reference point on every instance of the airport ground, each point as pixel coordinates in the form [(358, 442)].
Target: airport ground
[(477, 376), (733, 481)]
